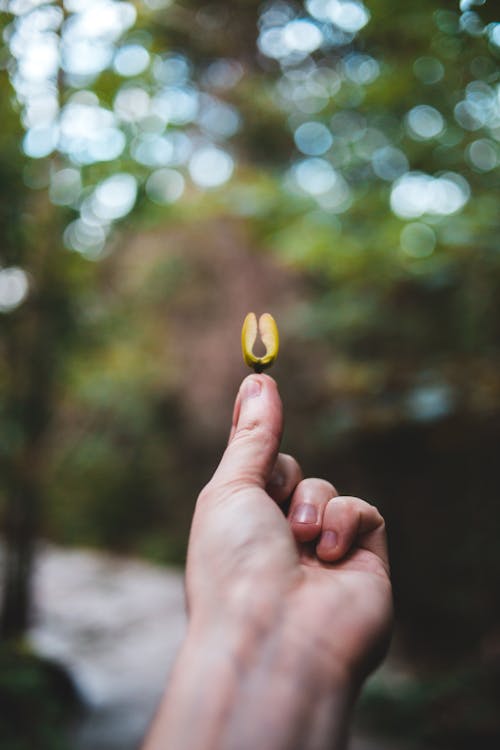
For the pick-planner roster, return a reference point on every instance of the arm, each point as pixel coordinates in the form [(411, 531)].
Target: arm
[(287, 613), (238, 688)]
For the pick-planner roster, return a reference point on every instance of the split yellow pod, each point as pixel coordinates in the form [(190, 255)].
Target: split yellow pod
[(270, 338)]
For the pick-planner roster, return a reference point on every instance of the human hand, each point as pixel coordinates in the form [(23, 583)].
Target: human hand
[(321, 571), (288, 611)]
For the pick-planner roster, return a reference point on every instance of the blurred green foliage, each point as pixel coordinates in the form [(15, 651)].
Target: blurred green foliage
[(120, 359), (451, 711), (37, 698)]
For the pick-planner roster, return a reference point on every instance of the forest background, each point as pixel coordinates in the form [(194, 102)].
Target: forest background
[(166, 167)]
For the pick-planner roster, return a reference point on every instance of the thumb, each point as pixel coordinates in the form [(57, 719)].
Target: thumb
[(255, 435)]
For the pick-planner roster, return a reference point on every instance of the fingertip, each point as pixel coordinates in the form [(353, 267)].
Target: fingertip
[(307, 507), (253, 384), (305, 521), (347, 522), (328, 548), (258, 399), (284, 478), (250, 387)]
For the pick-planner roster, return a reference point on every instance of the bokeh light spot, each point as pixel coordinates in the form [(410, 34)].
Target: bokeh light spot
[(347, 15), (389, 163), (131, 59), (115, 197), (85, 57), (172, 70), (152, 150), (468, 116), (302, 36), (65, 187), (494, 34), (176, 104), (131, 103), (40, 141), (40, 60), (219, 119), (361, 69), (418, 240), (88, 239), (424, 122), (482, 155), (417, 193), (210, 167), (40, 110), (428, 402), (349, 125), (272, 43), (13, 288), (313, 138), (428, 70), (223, 74), (88, 132), (314, 176), (371, 140), (338, 199), (165, 186)]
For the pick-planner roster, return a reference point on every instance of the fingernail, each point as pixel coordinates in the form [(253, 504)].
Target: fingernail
[(329, 539), (251, 388), (305, 513)]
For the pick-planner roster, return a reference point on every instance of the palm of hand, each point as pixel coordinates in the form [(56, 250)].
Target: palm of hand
[(342, 608), (350, 603)]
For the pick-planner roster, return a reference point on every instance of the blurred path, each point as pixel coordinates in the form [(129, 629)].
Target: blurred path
[(116, 625)]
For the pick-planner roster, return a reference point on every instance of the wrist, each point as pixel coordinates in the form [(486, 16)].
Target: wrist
[(250, 684)]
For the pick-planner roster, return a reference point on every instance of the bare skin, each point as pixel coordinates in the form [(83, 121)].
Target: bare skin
[(287, 613)]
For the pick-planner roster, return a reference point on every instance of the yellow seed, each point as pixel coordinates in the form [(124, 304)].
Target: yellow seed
[(270, 338)]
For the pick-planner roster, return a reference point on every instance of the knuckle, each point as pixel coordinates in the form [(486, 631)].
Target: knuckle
[(332, 488), (292, 466), (358, 502), (257, 431), (348, 502), (377, 513), (320, 484)]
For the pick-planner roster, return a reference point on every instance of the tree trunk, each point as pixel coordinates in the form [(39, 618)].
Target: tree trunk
[(32, 343), (21, 531)]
